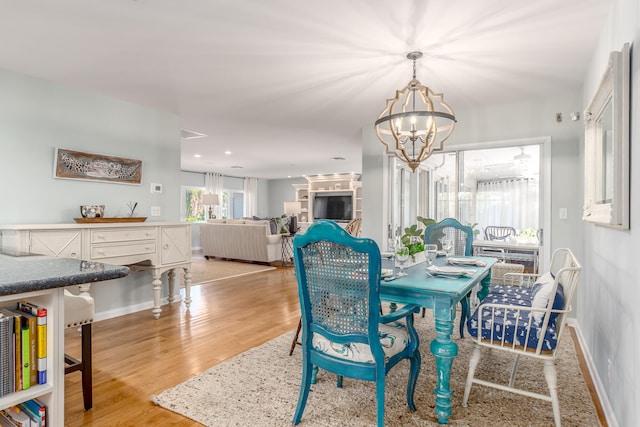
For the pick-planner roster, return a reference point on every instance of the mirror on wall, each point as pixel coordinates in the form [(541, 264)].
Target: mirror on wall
[(606, 198)]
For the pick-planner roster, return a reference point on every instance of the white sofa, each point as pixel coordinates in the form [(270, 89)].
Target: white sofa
[(240, 239)]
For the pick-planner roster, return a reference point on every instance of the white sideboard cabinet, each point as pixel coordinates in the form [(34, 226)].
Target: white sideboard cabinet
[(154, 247)]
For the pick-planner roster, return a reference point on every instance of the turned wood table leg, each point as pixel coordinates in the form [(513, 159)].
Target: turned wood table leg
[(157, 288), (171, 275), (187, 287), (445, 350)]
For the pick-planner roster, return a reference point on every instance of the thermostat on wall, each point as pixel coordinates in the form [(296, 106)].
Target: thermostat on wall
[(156, 188)]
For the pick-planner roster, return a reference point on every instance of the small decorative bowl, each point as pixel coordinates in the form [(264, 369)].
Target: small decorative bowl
[(92, 211)]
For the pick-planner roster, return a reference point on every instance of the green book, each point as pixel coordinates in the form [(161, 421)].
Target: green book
[(26, 358)]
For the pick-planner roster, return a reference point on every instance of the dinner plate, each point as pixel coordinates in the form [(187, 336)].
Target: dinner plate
[(449, 271), (466, 261)]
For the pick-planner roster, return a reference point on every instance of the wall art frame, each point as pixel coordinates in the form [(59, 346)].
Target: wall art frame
[(607, 146), (71, 164)]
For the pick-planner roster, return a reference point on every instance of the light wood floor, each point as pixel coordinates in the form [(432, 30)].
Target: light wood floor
[(136, 356)]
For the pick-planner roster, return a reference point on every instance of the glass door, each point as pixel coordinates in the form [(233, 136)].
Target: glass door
[(480, 187)]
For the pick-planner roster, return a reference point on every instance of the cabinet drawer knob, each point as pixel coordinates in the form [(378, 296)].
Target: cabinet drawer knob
[(73, 254), (100, 236), (166, 246)]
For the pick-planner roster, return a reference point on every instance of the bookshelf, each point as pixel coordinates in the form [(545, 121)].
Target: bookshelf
[(328, 184), (41, 281), (51, 393)]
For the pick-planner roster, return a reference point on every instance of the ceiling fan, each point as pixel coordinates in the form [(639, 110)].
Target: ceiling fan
[(522, 156)]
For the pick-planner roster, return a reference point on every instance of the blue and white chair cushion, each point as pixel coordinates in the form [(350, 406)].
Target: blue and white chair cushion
[(394, 338), (514, 324)]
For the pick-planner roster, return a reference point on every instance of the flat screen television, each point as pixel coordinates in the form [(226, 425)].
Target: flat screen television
[(335, 207)]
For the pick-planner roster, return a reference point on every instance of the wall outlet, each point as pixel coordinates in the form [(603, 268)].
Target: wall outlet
[(155, 211)]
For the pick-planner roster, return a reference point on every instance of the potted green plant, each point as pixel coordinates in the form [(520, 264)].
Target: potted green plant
[(413, 237)]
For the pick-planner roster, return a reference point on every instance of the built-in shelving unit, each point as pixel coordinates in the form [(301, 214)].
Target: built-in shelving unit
[(51, 393), (331, 184)]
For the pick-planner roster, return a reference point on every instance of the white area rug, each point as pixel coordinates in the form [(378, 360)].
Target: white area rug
[(260, 388)]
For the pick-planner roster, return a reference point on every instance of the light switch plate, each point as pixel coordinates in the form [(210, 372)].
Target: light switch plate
[(563, 213), (155, 211)]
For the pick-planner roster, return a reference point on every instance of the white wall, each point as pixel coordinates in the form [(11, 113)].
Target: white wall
[(609, 319), (36, 117), (280, 191)]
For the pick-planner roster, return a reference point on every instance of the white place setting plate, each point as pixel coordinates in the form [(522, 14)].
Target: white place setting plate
[(449, 271)]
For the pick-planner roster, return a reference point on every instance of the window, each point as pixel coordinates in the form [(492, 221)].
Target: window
[(192, 209), (606, 198), (482, 186), (232, 204)]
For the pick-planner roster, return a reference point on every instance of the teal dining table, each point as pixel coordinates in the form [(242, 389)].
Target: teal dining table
[(441, 295)]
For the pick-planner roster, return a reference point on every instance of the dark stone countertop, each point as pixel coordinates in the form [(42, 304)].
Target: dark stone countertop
[(28, 273)]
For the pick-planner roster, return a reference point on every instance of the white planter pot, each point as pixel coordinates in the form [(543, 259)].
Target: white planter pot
[(417, 258)]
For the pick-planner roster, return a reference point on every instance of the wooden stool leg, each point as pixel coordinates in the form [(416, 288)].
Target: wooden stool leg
[(87, 368), (295, 338)]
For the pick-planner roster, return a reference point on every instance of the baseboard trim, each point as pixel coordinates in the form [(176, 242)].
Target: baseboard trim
[(605, 404), (121, 311)]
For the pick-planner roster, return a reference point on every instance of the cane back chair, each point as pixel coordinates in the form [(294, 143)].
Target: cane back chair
[(343, 331)]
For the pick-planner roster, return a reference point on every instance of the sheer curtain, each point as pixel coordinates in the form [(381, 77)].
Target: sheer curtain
[(213, 185), (509, 202), (251, 196)]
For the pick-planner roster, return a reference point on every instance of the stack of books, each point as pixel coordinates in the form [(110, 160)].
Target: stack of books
[(26, 414), (23, 347)]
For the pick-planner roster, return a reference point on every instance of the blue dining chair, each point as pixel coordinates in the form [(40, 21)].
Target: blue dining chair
[(462, 238), (343, 331)]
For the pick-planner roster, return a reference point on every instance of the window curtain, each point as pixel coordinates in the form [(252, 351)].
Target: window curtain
[(510, 202), (251, 197), (213, 184)]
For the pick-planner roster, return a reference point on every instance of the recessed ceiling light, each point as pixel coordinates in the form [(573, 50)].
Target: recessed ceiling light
[(236, 167), (227, 152), (337, 158), (197, 156), (189, 134)]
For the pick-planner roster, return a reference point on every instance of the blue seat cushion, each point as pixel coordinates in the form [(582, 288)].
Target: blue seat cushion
[(504, 321)]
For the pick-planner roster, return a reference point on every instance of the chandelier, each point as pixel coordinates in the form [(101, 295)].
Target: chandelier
[(416, 122)]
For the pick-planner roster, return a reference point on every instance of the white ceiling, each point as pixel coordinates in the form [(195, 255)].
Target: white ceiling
[(286, 85)]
